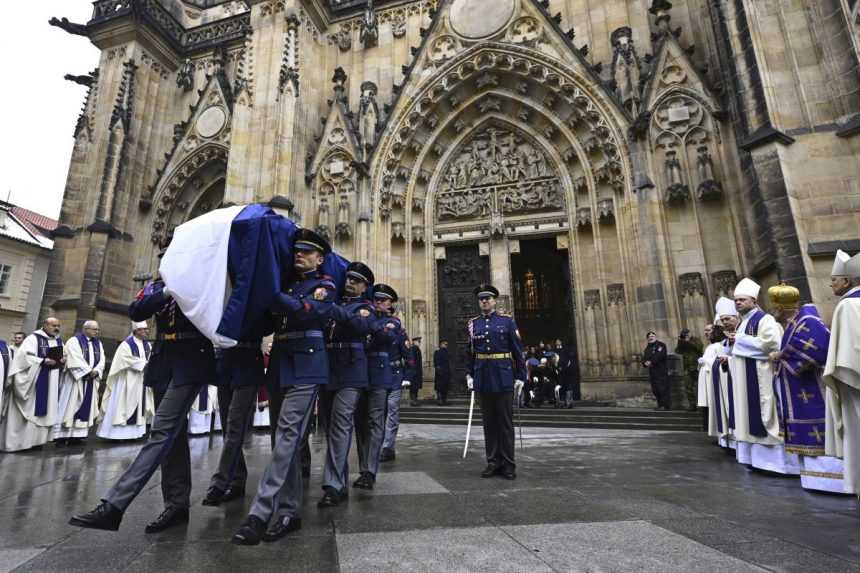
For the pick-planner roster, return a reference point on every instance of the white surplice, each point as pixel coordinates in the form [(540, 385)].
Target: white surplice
[(126, 395), (20, 428), (73, 388), (200, 418), (767, 340), (842, 375)]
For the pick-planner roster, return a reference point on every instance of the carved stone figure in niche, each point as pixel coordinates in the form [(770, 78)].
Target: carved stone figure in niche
[(626, 73), (343, 229), (709, 188), (185, 76), (398, 25), (368, 115), (369, 34), (322, 212), (676, 191)]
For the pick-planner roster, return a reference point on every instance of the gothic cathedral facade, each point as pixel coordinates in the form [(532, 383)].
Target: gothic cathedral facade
[(612, 166)]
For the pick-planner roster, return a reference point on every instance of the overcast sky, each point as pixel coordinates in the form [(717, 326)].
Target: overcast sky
[(39, 108)]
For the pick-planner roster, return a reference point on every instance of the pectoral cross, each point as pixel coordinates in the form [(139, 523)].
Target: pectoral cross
[(816, 433), (801, 329), (805, 396), (807, 344)]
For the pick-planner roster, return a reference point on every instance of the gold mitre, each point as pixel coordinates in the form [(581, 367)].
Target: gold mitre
[(783, 297)]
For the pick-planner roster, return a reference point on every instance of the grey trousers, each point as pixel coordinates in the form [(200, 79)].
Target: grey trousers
[(497, 410), (392, 420), (167, 446), (239, 404), (281, 485), (370, 428), (340, 426)]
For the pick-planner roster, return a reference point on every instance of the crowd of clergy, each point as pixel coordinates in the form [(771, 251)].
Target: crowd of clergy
[(781, 389)]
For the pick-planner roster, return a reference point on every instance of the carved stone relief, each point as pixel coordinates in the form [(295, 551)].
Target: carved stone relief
[(498, 171), (724, 282), (691, 284)]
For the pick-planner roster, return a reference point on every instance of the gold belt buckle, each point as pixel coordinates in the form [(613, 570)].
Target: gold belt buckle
[(170, 337)]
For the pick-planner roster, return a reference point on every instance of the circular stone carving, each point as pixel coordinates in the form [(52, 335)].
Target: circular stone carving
[(475, 19), (211, 121)]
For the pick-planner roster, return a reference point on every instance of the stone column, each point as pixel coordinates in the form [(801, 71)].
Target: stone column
[(500, 270)]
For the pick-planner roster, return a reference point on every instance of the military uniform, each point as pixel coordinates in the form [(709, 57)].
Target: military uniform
[(399, 355), (495, 362), (182, 361), (240, 374), (371, 410)]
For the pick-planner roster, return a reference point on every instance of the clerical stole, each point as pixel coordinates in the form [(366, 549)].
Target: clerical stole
[(802, 411), (756, 425)]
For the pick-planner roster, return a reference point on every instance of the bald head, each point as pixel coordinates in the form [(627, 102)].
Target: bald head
[(51, 326)]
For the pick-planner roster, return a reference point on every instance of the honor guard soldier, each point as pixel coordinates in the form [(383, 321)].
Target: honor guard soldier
[(370, 413), (302, 364), (352, 322), (496, 367), (182, 362), (398, 354), (240, 374)]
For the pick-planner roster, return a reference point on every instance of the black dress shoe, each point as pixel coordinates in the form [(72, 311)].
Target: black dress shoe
[(214, 496), (387, 455), (281, 527), (509, 474), (104, 516), (365, 481), (251, 532), (491, 470), (233, 492), (331, 498), (168, 518)]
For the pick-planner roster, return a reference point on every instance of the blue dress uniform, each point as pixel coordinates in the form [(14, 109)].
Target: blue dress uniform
[(182, 361), (353, 321), (372, 405), (495, 361), (301, 360), (398, 354)]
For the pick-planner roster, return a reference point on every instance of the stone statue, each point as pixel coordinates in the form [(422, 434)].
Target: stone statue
[(342, 228), (673, 169), (369, 34), (625, 70), (185, 76), (368, 115), (704, 164)]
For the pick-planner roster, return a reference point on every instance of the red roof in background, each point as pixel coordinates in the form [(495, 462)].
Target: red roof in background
[(35, 223)]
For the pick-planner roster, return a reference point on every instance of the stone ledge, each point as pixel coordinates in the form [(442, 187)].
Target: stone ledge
[(828, 248), (764, 135)]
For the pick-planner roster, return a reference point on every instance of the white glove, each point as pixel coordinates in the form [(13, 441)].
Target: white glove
[(470, 382), (518, 386), (532, 394), (557, 387), (406, 384)]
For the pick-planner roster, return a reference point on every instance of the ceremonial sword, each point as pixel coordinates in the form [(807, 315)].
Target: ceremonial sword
[(519, 419), (469, 426)]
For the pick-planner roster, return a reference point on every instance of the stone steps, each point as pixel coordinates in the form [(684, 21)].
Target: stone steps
[(548, 417)]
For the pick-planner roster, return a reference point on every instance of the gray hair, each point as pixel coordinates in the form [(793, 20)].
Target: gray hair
[(91, 324)]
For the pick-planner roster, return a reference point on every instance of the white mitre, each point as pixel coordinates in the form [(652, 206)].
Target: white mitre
[(747, 287), (852, 267), (726, 307), (839, 264)]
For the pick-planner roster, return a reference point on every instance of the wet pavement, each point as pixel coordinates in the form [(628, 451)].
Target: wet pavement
[(585, 500)]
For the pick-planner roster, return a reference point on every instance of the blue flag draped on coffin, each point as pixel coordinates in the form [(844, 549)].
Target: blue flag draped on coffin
[(803, 355), (225, 268)]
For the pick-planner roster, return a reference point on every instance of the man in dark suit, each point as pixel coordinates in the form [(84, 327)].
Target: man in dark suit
[(654, 359), (416, 371), (442, 368)]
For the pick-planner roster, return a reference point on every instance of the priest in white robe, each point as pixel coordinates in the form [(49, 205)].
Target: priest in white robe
[(32, 388), (722, 424), (79, 386), (842, 370), (756, 416), (200, 420), (127, 405), (707, 398)]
